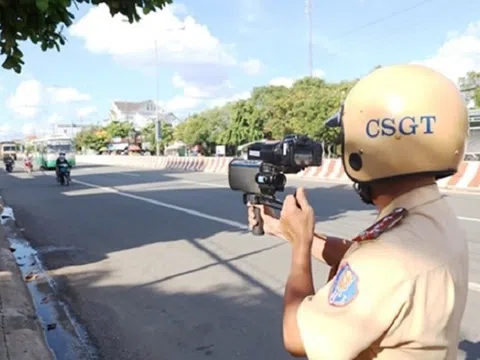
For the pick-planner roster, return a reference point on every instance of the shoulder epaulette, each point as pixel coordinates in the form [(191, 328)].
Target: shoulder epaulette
[(382, 225)]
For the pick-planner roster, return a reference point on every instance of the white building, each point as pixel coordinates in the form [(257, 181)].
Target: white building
[(139, 113), (70, 130)]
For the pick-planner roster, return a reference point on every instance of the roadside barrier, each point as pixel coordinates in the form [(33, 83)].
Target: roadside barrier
[(467, 177)]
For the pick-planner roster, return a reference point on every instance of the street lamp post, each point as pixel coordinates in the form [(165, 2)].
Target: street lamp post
[(308, 11), (158, 125), (157, 117), (157, 75)]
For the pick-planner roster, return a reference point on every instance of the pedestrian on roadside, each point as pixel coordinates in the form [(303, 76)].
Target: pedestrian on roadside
[(397, 290)]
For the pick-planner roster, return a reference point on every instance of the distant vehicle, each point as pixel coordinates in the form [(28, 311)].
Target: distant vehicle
[(46, 151), (8, 148)]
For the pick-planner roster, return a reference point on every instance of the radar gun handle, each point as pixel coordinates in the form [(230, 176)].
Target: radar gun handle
[(257, 230)]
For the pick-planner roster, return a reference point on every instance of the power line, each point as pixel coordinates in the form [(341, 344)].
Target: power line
[(382, 19)]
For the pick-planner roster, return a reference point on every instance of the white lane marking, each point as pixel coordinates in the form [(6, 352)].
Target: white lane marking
[(474, 286), (203, 183), (168, 206), (468, 218), (127, 174), (22, 175)]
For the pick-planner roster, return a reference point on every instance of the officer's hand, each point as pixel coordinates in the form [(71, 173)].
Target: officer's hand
[(271, 224), (297, 220)]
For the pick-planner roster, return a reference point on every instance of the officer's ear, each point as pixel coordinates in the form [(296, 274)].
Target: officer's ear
[(335, 120)]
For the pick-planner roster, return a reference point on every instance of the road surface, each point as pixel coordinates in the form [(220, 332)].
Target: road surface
[(160, 265)]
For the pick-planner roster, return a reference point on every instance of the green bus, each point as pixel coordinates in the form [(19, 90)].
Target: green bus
[(46, 151)]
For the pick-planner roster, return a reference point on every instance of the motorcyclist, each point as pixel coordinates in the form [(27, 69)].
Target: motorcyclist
[(8, 158), (60, 161), (28, 158), (28, 161)]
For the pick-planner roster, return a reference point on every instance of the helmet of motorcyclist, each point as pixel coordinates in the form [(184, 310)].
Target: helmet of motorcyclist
[(402, 120)]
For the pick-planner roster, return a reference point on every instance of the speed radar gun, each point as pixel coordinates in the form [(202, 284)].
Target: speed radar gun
[(262, 174)]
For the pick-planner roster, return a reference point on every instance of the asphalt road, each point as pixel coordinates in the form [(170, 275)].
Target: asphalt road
[(160, 265)]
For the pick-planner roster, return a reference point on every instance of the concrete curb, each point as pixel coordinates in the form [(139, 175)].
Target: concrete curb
[(22, 336)]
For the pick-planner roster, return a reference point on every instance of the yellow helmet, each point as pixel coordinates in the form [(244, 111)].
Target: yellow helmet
[(402, 120)]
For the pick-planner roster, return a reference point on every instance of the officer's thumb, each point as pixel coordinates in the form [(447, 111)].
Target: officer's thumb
[(301, 197)]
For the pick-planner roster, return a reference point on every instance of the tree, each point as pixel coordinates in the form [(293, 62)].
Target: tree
[(470, 85), (43, 22), (196, 131), (94, 138), (276, 111), (244, 126), (120, 129), (270, 112)]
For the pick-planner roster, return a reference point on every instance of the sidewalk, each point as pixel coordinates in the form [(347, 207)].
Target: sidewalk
[(21, 334)]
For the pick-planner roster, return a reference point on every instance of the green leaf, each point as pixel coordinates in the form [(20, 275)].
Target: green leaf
[(42, 5), (9, 63)]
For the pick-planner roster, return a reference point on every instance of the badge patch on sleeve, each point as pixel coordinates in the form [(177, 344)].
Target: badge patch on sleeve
[(344, 288)]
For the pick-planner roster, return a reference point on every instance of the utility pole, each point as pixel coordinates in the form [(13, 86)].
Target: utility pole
[(157, 117), (308, 11)]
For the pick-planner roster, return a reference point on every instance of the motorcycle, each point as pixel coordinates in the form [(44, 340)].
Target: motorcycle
[(9, 165), (28, 166), (64, 174)]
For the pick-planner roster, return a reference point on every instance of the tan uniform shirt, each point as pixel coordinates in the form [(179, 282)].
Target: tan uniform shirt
[(398, 297)]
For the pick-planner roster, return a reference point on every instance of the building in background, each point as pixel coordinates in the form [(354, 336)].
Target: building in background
[(139, 113), (68, 130), (170, 118)]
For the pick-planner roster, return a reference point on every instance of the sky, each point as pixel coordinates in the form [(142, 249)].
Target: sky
[(206, 53)]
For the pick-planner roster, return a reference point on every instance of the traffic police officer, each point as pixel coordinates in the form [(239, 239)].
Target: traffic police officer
[(398, 290)]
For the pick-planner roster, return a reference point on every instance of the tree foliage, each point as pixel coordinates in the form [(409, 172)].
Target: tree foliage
[(271, 112), (43, 22), (97, 137), (470, 84), (121, 129), (94, 138)]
